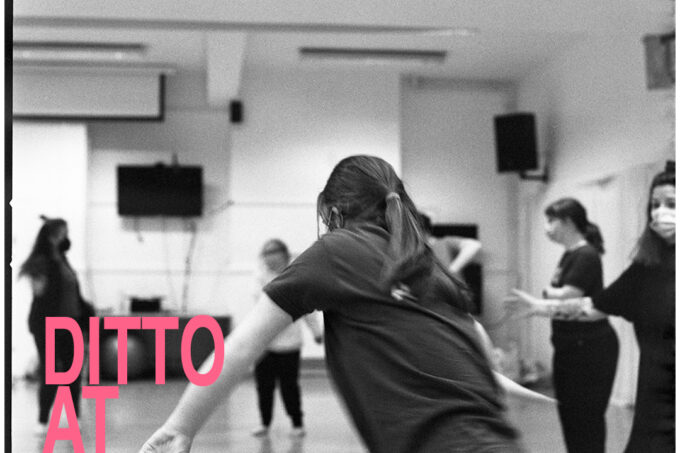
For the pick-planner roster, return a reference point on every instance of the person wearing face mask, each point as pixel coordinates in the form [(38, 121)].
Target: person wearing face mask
[(643, 294), (585, 354), (281, 361), (56, 292)]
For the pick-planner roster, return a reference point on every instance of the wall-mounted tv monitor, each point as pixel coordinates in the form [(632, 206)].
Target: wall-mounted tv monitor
[(160, 190)]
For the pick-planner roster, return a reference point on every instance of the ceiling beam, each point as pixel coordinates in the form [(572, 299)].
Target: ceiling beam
[(225, 53)]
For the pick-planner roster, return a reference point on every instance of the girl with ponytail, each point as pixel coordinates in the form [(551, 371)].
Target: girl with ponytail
[(404, 354), (584, 352)]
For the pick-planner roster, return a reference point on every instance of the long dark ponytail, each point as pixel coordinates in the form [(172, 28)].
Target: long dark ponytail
[(366, 188), (572, 209)]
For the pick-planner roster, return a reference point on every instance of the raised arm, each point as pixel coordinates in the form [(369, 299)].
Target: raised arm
[(469, 248), (241, 348)]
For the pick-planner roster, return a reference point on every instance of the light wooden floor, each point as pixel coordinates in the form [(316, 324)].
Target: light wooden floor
[(142, 406)]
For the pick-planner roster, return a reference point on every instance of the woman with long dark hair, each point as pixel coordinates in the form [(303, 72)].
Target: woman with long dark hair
[(643, 294), (56, 292), (585, 354), (401, 348)]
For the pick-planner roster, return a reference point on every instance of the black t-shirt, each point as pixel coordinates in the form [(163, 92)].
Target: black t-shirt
[(645, 296), (581, 268), (413, 375)]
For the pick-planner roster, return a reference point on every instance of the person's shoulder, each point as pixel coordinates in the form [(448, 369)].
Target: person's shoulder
[(355, 234), (355, 241), (39, 266), (587, 251)]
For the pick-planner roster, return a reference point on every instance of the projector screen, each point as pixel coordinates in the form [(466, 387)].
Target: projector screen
[(62, 94)]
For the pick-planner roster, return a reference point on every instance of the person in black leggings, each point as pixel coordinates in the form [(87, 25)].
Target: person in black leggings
[(281, 361), (644, 294), (585, 354)]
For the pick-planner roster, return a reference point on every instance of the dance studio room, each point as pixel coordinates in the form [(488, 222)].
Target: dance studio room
[(341, 227)]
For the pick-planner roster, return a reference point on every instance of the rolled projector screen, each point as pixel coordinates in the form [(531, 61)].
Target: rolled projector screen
[(87, 95)]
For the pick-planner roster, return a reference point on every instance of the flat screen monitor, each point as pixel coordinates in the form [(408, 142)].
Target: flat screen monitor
[(160, 190)]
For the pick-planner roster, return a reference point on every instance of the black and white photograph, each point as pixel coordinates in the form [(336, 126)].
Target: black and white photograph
[(442, 226)]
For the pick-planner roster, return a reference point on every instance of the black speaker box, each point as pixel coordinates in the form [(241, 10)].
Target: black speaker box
[(516, 142), (660, 60), (236, 112)]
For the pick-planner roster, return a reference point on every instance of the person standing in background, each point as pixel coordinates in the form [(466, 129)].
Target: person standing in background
[(454, 252), (56, 292), (281, 361), (644, 294), (585, 357)]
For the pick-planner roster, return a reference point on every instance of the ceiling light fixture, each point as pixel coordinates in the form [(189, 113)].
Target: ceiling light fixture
[(462, 32), (25, 51), (372, 56)]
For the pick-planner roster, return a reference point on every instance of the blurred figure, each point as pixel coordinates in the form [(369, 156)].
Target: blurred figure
[(404, 353), (454, 252), (56, 292), (643, 294), (584, 362), (281, 361)]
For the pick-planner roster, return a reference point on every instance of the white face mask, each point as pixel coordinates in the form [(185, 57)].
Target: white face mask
[(663, 222), (663, 214)]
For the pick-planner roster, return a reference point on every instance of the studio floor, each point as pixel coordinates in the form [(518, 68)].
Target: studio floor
[(142, 406)]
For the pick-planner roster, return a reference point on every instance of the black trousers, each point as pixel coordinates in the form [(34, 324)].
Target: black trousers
[(584, 367), (283, 367), (63, 352)]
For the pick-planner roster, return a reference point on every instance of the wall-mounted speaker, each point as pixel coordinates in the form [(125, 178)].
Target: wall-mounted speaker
[(236, 112), (516, 142), (660, 60)]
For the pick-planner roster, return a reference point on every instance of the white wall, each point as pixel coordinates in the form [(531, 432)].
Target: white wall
[(297, 126), (449, 163), (262, 178), (147, 256), (49, 177), (599, 125)]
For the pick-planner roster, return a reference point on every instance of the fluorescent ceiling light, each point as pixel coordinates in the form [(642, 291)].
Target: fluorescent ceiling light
[(372, 55), (461, 32), (77, 51)]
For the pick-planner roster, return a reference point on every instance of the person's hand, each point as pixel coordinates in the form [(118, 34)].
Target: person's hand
[(167, 440), (521, 304)]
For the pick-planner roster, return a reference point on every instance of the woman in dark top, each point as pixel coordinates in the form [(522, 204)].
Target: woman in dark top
[(584, 362), (644, 294), (55, 293), (402, 349)]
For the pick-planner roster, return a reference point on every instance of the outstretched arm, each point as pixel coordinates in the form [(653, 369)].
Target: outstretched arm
[(312, 321), (241, 348), (579, 308), (511, 387)]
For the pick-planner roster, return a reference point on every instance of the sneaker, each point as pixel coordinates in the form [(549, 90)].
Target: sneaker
[(261, 431), (298, 431)]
